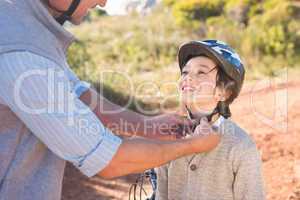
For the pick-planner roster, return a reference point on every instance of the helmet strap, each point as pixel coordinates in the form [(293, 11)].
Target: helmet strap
[(65, 16), (222, 108)]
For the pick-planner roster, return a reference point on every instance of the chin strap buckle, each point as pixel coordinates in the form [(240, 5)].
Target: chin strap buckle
[(66, 16), (222, 109)]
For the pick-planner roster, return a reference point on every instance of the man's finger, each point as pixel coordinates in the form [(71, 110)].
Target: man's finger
[(204, 120), (189, 122)]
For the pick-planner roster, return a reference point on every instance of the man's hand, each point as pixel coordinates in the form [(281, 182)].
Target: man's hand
[(128, 123), (135, 155), (203, 128), (167, 126)]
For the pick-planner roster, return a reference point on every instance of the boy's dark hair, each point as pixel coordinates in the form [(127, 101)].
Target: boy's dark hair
[(226, 82)]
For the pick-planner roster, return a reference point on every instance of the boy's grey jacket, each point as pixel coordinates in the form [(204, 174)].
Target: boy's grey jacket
[(232, 171)]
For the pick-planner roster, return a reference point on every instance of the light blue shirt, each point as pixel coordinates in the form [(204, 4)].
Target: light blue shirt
[(43, 122)]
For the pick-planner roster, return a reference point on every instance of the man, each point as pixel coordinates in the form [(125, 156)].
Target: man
[(48, 116)]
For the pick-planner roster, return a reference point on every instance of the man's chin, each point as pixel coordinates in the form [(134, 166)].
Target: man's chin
[(77, 21)]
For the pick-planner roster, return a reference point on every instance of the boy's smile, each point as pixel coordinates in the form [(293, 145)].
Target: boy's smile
[(197, 83)]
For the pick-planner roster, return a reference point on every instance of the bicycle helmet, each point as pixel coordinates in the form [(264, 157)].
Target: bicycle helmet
[(224, 56), (220, 52)]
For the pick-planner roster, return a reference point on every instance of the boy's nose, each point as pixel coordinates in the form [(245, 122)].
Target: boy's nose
[(188, 77)]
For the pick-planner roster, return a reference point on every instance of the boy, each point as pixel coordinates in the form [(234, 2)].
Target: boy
[(211, 78)]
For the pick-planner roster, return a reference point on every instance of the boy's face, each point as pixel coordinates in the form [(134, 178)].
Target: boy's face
[(197, 84)]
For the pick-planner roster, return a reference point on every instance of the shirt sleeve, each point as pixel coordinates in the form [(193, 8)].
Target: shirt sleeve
[(42, 95), (162, 183), (79, 86), (248, 183)]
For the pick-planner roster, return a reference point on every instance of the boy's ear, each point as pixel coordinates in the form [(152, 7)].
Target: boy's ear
[(221, 94)]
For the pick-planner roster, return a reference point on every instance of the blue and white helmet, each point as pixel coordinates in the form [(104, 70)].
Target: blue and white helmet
[(220, 52)]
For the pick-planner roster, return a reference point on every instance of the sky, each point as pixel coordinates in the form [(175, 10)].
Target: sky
[(118, 7), (114, 7)]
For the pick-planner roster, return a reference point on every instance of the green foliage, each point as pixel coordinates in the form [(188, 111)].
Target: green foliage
[(134, 47), (169, 3), (239, 10), (273, 40), (234, 3), (96, 13), (143, 49), (79, 58), (224, 29), (275, 31), (188, 12)]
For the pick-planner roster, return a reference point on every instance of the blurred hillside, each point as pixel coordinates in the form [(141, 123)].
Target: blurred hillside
[(140, 50)]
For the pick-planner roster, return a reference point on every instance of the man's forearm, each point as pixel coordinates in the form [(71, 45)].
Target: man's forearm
[(118, 119), (138, 154)]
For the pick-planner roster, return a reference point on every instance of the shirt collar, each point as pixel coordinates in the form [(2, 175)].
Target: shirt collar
[(42, 15), (218, 122)]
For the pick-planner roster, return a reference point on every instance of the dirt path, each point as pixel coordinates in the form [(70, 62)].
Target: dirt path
[(270, 113)]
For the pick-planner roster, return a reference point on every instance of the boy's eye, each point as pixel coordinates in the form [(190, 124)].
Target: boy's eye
[(200, 72), (184, 73)]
